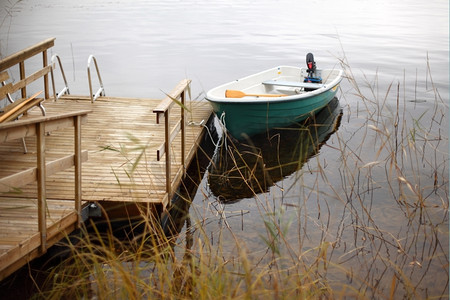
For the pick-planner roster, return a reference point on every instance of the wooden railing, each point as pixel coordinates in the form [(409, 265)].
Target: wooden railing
[(178, 94), (39, 127), (19, 59)]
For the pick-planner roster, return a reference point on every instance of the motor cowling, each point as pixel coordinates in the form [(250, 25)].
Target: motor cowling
[(311, 64), (312, 76)]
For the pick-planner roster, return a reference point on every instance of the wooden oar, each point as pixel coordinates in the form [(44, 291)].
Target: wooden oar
[(17, 107), (239, 94)]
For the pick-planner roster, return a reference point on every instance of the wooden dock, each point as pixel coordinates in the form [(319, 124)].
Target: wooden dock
[(122, 138), (108, 151)]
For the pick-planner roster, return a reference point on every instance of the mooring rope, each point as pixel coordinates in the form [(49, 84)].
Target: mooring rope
[(222, 139)]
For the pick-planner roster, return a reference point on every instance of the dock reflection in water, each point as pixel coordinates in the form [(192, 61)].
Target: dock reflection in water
[(243, 169)]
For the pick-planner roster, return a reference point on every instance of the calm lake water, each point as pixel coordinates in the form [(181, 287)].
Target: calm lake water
[(346, 193)]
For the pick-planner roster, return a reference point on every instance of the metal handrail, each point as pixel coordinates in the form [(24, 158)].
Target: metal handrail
[(65, 90), (8, 95), (101, 90)]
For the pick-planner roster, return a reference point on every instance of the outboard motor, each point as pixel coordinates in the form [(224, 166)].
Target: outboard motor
[(311, 64)]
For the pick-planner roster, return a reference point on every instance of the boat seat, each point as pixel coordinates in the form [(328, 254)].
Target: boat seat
[(308, 85)]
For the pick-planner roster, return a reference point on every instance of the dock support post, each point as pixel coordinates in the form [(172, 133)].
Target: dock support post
[(42, 220)]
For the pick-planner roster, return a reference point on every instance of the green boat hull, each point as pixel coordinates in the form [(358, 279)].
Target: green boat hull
[(250, 118)]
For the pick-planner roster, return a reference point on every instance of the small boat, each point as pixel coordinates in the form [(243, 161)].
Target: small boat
[(277, 97)]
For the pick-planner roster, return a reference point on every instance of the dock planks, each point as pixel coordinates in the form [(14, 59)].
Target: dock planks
[(121, 136)]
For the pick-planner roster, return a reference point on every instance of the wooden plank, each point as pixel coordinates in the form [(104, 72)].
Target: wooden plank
[(20, 110), (25, 126), (50, 68), (173, 134), (4, 90), (66, 162), (21, 250), (17, 180), (33, 77), (167, 152), (14, 133), (8, 184), (22, 77), (183, 131), (50, 117), (18, 254), (14, 107), (4, 76), (78, 159), (168, 101), (41, 179), (22, 55)]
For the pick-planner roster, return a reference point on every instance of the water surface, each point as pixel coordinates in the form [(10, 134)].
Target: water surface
[(147, 46), (346, 194)]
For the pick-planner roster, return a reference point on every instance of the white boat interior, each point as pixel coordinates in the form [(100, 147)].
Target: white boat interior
[(282, 80)]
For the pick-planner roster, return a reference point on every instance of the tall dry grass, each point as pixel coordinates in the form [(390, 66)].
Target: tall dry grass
[(364, 217)]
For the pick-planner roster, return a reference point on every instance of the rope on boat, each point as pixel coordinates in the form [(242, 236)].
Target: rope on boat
[(222, 139), (202, 123), (223, 124)]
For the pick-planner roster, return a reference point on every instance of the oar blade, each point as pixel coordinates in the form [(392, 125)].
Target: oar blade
[(234, 94)]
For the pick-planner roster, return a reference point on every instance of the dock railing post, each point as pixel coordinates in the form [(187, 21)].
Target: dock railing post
[(45, 63), (78, 177), (167, 151), (41, 170), (183, 131), (22, 77)]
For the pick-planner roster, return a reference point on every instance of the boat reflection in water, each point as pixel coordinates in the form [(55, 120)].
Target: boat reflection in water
[(244, 169)]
